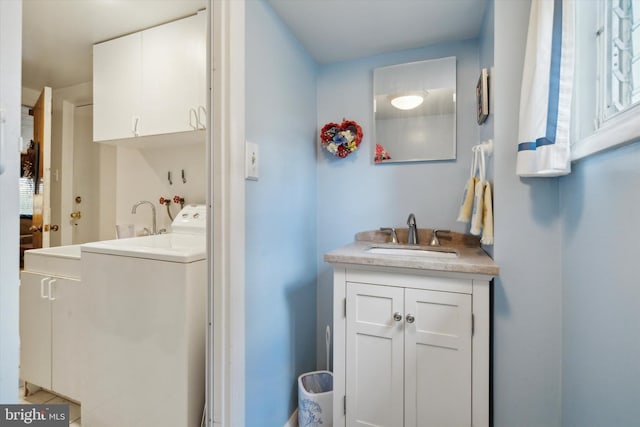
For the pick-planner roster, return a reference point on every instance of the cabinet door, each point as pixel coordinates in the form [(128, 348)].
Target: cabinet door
[(66, 348), (35, 329), (173, 69), (117, 69), (374, 356), (437, 359)]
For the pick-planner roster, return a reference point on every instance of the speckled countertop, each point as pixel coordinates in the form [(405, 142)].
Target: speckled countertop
[(471, 257)]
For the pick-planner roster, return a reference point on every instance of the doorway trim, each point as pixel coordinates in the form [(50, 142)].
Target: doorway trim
[(225, 390)]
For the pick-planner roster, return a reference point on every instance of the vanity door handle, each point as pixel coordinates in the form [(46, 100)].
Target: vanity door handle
[(410, 318), (397, 316), (42, 295), (51, 283)]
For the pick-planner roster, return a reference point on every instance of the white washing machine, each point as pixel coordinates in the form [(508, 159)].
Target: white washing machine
[(145, 327)]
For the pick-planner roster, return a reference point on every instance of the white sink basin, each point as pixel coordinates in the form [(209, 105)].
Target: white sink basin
[(177, 247), (414, 252)]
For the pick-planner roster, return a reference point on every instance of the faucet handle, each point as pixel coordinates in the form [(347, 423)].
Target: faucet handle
[(392, 232), (434, 236)]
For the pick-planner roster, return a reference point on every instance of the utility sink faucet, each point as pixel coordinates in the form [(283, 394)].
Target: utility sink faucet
[(412, 237), (153, 213)]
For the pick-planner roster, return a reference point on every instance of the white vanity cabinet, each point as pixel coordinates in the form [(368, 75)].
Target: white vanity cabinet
[(411, 347), (152, 82), (50, 346)]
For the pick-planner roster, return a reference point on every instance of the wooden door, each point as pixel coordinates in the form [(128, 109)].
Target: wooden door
[(437, 359), (374, 356), (42, 138)]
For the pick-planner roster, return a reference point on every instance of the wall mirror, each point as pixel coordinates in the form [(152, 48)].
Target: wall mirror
[(414, 108)]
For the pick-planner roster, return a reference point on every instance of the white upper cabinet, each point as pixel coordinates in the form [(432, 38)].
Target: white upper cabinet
[(173, 76), (117, 71), (152, 82)]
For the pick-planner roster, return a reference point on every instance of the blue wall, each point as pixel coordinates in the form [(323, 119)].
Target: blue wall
[(354, 194), (565, 300), (280, 285), (601, 319), (527, 330)]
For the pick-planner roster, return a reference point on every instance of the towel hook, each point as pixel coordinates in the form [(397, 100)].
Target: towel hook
[(487, 147)]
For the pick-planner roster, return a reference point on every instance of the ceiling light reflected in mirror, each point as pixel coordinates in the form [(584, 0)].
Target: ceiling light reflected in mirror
[(407, 102)]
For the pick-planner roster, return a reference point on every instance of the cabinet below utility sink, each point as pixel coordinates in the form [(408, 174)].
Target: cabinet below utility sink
[(50, 303)]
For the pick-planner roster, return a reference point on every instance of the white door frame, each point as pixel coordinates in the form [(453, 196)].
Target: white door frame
[(10, 72), (226, 214)]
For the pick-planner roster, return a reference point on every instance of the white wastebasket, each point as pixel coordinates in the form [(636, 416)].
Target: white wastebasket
[(315, 399)]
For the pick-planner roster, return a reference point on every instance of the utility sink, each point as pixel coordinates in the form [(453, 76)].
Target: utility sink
[(413, 252)]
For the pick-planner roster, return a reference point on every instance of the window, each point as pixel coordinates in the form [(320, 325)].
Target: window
[(607, 86), (26, 196), (619, 56)]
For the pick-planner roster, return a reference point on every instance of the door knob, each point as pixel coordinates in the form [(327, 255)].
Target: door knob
[(54, 227), (410, 318), (35, 228), (76, 215), (397, 316)]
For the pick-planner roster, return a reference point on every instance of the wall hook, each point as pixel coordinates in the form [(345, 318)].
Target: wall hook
[(184, 179), (169, 178)]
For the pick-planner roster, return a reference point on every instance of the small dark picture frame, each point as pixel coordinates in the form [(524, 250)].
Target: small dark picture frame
[(482, 95)]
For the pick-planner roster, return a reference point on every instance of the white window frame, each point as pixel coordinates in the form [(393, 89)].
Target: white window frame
[(619, 129)]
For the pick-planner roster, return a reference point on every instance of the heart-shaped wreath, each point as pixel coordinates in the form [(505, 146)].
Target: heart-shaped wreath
[(341, 139)]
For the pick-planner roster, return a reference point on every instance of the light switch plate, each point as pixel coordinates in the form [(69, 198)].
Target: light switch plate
[(251, 170)]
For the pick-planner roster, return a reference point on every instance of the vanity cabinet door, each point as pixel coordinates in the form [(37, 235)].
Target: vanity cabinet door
[(374, 356), (35, 329), (408, 357), (437, 334)]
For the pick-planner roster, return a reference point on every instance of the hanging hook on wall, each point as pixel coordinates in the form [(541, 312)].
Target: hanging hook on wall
[(184, 179), (169, 178)]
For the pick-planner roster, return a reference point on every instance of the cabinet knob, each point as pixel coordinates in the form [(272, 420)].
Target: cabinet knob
[(410, 318), (397, 316)]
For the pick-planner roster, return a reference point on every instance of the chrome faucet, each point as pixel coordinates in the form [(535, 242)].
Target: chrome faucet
[(412, 237), (435, 241), (153, 213), (392, 232)]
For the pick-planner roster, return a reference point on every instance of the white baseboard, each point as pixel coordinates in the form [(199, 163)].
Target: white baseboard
[(293, 420)]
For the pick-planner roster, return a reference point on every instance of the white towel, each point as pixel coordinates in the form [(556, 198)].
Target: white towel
[(478, 209), (467, 198), (545, 98), (487, 217)]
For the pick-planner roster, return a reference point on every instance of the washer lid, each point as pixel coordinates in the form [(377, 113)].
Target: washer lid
[(192, 219)]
